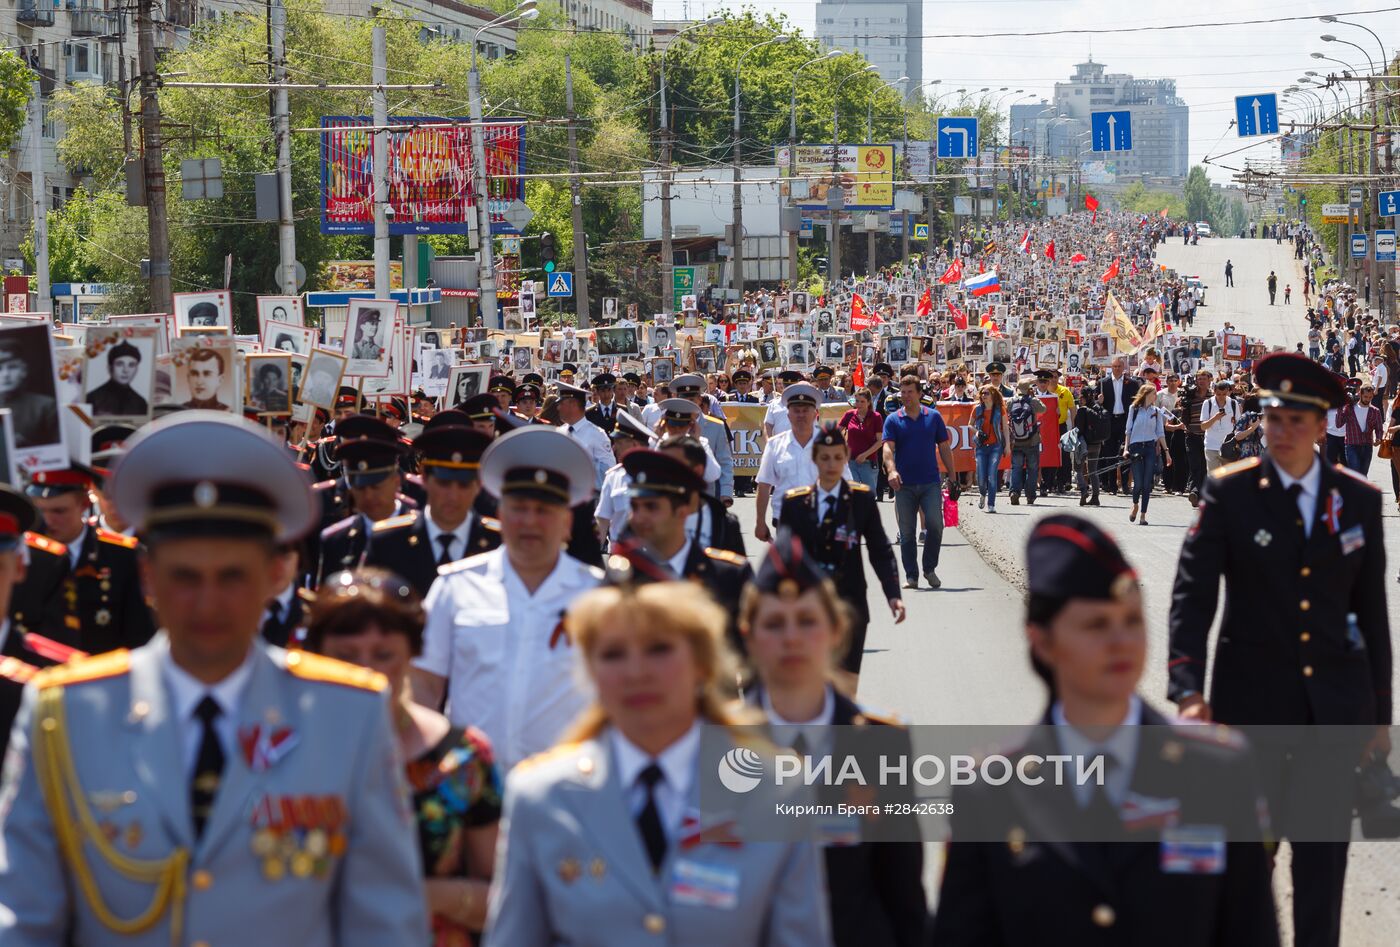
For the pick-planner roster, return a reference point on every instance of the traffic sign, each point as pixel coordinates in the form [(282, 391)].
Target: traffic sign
[(1388, 203), (1256, 114), (1112, 131), (561, 283), (957, 136), (1336, 213), (1358, 246), (683, 280), (1356, 197), (921, 231), (1385, 246)]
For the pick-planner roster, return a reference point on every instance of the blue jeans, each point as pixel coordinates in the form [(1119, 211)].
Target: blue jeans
[(987, 460), (1025, 470), (861, 471), (908, 500), (1358, 458), (1144, 464)]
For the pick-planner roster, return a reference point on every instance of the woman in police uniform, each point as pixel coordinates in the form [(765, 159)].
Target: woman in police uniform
[(1168, 851), (603, 844)]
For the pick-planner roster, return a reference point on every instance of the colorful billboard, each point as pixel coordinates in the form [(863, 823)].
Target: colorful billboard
[(866, 172), (429, 174)]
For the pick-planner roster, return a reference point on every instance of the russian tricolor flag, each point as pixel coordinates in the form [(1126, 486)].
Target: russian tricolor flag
[(983, 284)]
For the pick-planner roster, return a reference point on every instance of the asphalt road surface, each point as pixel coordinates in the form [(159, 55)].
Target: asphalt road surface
[(960, 657)]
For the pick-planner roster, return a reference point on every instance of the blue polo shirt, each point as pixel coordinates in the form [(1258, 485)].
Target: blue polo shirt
[(916, 443)]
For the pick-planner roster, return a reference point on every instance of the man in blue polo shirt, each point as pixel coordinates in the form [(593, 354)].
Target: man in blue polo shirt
[(915, 437)]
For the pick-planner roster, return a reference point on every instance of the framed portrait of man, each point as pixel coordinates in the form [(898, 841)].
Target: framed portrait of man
[(29, 388), (283, 338), (369, 331), (1047, 355), (609, 308), (618, 341), (395, 382), (975, 344), (119, 374), (522, 358), (468, 381), (206, 373), (205, 310), (705, 358), (321, 380), (897, 349), (833, 347), (662, 370), (661, 339), (269, 384), (286, 309)]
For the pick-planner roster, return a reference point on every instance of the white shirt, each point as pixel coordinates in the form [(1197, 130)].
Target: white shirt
[(1335, 427), (777, 415), (786, 465), (186, 693), (1307, 498), (614, 505), (458, 549), (75, 549), (1122, 746), (677, 764), (1215, 434), (816, 733), (594, 441), (491, 639), (677, 562), (1118, 406), (650, 415), (822, 496)]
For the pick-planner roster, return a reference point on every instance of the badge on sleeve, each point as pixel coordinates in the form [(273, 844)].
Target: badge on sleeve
[(1353, 539), (1193, 850), (704, 885)]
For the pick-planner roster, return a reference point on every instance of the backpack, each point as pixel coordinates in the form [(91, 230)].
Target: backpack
[(1024, 426), (1099, 426)]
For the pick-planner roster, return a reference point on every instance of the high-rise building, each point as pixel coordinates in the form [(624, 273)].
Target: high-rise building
[(888, 34)]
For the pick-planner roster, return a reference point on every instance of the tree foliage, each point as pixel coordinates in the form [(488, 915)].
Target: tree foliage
[(15, 80)]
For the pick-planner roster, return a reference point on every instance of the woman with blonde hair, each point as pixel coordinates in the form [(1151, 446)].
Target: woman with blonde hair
[(602, 842)]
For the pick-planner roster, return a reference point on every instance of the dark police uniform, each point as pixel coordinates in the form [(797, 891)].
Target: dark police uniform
[(39, 602), (724, 575), (604, 417), (401, 544), (104, 590), (1304, 638), (834, 537), (369, 450)]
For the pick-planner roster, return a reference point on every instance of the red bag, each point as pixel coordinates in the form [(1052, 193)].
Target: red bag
[(950, 511)]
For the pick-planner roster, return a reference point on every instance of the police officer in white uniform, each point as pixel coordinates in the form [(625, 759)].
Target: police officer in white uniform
[(208, 788), (494, 643), (787, 462), (713, 430), (613, 499), (573, 401)]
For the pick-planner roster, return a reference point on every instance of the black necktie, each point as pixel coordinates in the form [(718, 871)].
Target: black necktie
[(445, 541), (830, 508), (208, 765), (649, 820), (273, 623)]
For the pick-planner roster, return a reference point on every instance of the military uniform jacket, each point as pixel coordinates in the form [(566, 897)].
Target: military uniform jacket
[(343, 544), (1042, 887), (1286, 653), (724, 575), (835, 539), (316, 747), (104, 591), (402, 545), (39, 602), (20, 661), (722, 526), (715, 432), (572, 868)]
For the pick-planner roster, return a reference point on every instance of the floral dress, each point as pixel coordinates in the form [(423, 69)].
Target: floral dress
[(456, 786)]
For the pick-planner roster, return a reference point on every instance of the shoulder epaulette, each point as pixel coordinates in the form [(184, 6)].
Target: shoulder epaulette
[(1357, 477), (1215, 734), (711, 417), (81, 670), (13, 669), (339, 525), (55, 651), (491, 523), (858, 487), (870, 716), (395, 522), (1249, 463), (307, 596), (325, 485), (462, 565), (117, 539), (45, 544), (796, 492), (314, 667), (544, 756), (725, 555)]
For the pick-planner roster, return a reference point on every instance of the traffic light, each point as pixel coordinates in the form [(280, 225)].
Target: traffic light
[(547, 251)]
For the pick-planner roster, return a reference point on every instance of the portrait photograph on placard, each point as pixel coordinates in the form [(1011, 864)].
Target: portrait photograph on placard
[(662, 370), (660, 339), (706, 357), (824, 321), (908, 303), (1099, 348), (955, 347), (321, 382), (522, 358), (897, 349), (975, 343), (205, 373), (163, 324), (287, 339), (618, 341), (999, 349), (395, 383), (797, 353), (298, 369), (284, 309), (204, 310), (468, 381), (1073, 363), (119, 373), (435, 365), (513, 319), (269, 383), (609, 308), (769, 355), (833, 347), (29, 388), (369, 330), (1047, 355), (799, 303)]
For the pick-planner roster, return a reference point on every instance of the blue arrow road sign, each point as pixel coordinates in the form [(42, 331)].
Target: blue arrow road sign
[(560, 284), (1112, 131), (1388, 203), (957, 137), (1256, 114), (1358, 246)]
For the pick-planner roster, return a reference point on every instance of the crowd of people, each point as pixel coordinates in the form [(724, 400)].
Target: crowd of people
[(434, 670)]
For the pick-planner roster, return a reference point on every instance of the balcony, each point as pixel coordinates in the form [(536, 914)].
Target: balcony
[(181, 13), (35, 13), (88, 22)]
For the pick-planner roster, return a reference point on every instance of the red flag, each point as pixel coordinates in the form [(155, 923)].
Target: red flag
[(858, 375), (1111, 273), (860, 316), (925, 303), (1133, 265), (1050, 251), (1078, 258), (1092, 202), (981, 265), (989, 322), (953, 274), (1026, 243), (959, 317), (1164, 213)]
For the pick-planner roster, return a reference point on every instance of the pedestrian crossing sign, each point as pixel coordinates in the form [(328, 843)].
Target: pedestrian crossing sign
[(921, 231), (561, 283)]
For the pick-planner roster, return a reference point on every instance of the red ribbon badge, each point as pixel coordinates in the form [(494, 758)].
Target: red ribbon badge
[(263, 748), (1332, 515)]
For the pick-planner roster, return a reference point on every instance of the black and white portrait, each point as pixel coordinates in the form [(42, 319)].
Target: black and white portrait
[(269, 383), (662, 339), (825, 321), (204, 310), (800, 303), (28, 388), (705, 357), (1072, 363), (999, 349), (120, 373), (369, 327), (662, 370), (1047, 355), (513, 319), (833, 347), (907, 304), (284, 309), (283, 338), (609, 308), (430, 339), (897, 349), (468, 381), (975, 344), (321, 382), (206, 373), (618, 341), (527, 306)]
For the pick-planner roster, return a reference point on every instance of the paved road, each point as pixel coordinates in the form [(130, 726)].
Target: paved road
[(961, 657)]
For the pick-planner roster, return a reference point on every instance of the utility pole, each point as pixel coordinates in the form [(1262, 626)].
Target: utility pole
[(668, 257), (869, 234), (736, 248), (39, 188), (379, 67), (282, 129), (152, 160), (580, 239), (907, 221)]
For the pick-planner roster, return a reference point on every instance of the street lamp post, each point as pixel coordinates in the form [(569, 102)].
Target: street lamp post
[(486, 249), (736, 250), (792, 161), (1369, 210)]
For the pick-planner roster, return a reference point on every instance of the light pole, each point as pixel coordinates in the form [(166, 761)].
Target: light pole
[(668, 260), (1369, 210), (736, 250), (480, 195), (792, 161), (835, 229), (870, 139)]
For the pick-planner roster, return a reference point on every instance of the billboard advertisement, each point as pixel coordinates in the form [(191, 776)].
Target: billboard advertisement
[(429, 174), (866, 173)]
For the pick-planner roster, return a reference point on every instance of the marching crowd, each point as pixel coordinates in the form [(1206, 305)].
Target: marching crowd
[(437, 672)]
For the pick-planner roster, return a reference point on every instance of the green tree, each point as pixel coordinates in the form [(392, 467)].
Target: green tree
[(15, 80), (1197, 194)]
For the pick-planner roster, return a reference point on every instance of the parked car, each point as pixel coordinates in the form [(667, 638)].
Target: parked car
[(1203, 229)]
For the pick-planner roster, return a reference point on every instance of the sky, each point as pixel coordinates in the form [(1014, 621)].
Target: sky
[(1210, 63)]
